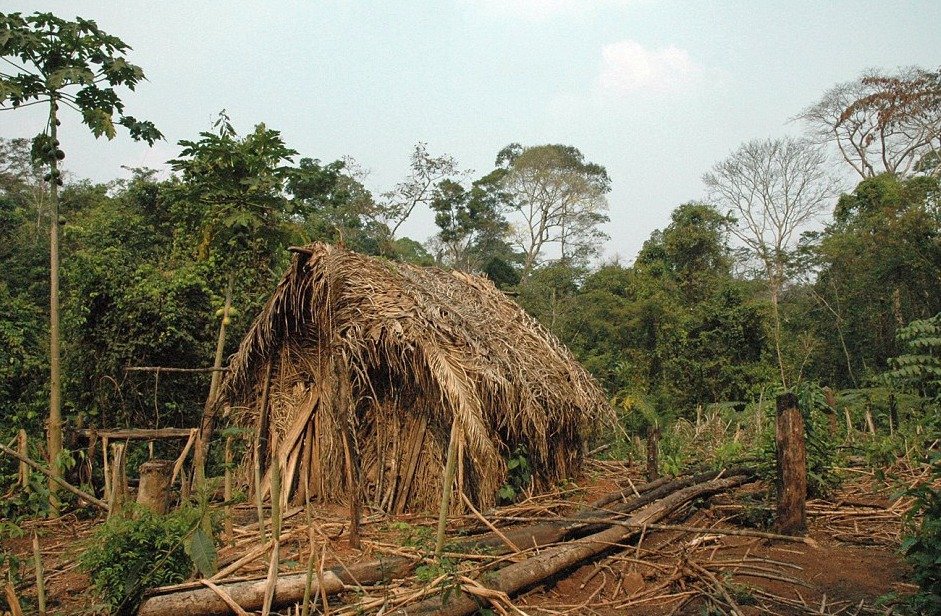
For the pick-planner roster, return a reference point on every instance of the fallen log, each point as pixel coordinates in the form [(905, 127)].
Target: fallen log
[(554, 560), (250, 595)]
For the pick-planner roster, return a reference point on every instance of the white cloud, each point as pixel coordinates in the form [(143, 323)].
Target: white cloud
[(627, 67), (543, 9)]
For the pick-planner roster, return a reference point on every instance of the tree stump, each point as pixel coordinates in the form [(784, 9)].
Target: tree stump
[(154, 491), (118, 481), (791, 456)]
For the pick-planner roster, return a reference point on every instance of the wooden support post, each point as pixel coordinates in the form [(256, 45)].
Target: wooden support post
[(449, 467), (791, 466), (106, 468), (258, 449), (21, 448), (154, 491), (275, 474), (352, 481), (653, 453)]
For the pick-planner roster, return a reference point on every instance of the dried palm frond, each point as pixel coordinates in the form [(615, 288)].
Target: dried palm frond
[(394, 353)]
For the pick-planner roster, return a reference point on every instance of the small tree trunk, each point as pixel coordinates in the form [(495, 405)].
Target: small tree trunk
[(653, 453), (791, 466), (154, 491)]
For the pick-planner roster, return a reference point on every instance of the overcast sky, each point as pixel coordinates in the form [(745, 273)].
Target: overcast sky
[(656, 91)]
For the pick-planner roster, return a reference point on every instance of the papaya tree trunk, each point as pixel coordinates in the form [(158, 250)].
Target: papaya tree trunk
[(54, 427), (205, 432)]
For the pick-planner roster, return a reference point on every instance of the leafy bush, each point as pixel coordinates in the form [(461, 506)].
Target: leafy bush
[(519, 475), (922, 549), (128, 555)]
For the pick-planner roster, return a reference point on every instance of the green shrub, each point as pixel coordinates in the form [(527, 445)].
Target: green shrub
[(922, 548), (128, 555)]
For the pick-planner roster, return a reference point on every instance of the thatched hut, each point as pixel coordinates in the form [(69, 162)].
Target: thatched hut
[(360, 367)]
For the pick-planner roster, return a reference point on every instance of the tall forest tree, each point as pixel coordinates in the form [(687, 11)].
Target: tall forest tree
[(882, 123), (558, 202), (74, 64), (773, 188), (472, 223), (877, 267)]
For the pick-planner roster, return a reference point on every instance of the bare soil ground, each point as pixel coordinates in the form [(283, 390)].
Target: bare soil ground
[(850, 562)]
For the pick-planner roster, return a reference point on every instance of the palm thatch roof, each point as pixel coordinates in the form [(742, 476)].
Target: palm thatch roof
[(363, 365)]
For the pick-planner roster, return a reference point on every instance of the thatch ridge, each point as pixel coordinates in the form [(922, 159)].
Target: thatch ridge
[(388, 350)]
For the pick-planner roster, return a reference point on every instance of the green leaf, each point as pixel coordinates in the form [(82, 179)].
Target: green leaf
[(202, 550)]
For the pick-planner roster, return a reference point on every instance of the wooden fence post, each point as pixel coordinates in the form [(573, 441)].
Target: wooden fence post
[(791, 456)]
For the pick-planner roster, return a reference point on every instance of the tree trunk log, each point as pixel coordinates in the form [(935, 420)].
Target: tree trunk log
[(554, 560), (791, 456), (290, 589)]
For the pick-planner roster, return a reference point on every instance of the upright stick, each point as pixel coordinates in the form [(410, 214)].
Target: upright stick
[(792, 467), (446, 486), (227, 492), (40, 581)]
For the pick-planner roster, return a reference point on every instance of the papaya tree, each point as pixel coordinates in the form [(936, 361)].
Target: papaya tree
[(61, 65)]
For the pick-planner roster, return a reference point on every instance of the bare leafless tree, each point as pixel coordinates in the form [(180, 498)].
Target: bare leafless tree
[(773, 188), (882, 123)]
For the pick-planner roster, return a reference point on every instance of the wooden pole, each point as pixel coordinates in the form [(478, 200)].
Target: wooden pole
[(352, 481), (81, 494), (791, 466), (106, 467), (275, 525), (227, 492), (258, 449), (446, 485)]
